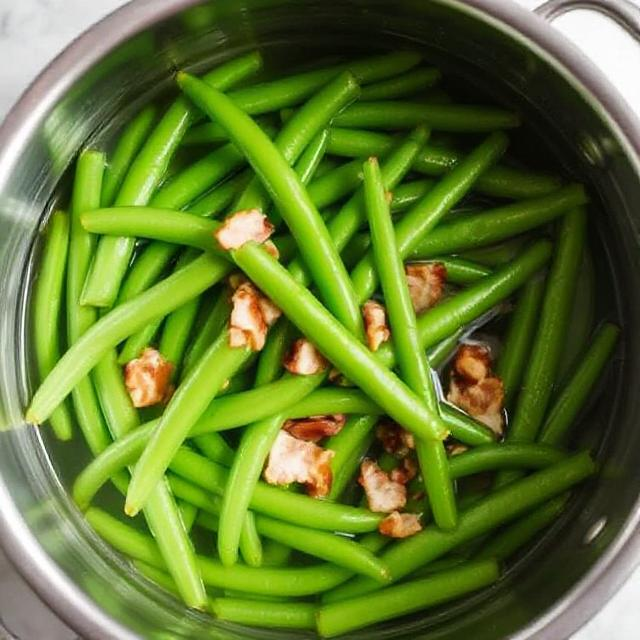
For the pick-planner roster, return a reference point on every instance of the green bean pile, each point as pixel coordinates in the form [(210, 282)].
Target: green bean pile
[(363, 180)]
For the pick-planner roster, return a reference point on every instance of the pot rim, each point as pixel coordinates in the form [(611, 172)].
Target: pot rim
[(19, 544)]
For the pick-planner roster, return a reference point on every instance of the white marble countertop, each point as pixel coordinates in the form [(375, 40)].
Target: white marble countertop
[(33, 31)]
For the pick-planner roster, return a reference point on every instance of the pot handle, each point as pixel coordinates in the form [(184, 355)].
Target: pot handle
[(623, 12)]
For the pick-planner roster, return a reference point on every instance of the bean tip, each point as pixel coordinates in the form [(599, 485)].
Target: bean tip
[(31, 418), (131, 510)]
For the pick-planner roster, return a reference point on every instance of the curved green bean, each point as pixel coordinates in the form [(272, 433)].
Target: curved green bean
[(290, 198), (278, 615), (47, 306), (112, 256), (415, 595), (578, 389), (413, 365), (487, 514), (131, 139), (87, 187), (421, 219), (517, 342), (499, 181), (193, 395), (440, 117), (401, 86), (119, 323)]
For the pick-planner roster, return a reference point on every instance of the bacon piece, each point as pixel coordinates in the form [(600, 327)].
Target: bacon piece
[(406, 472), (426, 284), (147, 378), (242, 227), (474, 389), (314, 428), (293, 460), (395, 440), (251, 316), (375, 323), (304, 359), (456, 448), (400, 525), (383, 494)]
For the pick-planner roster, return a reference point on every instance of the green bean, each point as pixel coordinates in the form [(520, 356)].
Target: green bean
[(337, 549), (292, 90), (498, 254), (349, 447), (540, 375), (209, 331), (503, 456), (284, 582), (139, 341), (129, 143), (193, 181), (421, 219), (250, 542), (514, 537), (500, 181), (279, 615), (407, 194), (119, 323), (441, 117), (582, 317), (464, 428), (517, 343), (112, 256), (275, 554), (87, 187), (461, 271), (47, 307), (413, 365), (445, 318), (487, 514), (335, 184), (351, 357), (400, 86), (217, 200), (491, 226), (157, 576), (270, 362), (579, 387), (300, 130), (277, 503), (310, 159), (215, 447), (204, 381), (416, 595), (189, 513), (157, 224), (441, 352), (290, 198)]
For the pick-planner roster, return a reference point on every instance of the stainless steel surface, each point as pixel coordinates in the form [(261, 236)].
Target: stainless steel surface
[(489, 41), (625, 13)]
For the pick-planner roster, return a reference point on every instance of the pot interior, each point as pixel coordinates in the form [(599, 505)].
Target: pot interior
[(567, 131)]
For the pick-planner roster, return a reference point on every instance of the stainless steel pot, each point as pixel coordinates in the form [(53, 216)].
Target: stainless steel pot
[(129, 58)]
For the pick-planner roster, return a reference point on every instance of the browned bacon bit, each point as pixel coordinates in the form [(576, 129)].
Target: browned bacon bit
[(383, 494), (247, 326), (456, 448), (406, 472), (395, 440), (375, 323), (147, 378), (475, 389), (269, 311), (242, 227), (293, 460), (304, 359), (400, 525), (315, 428), (426, 284)]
